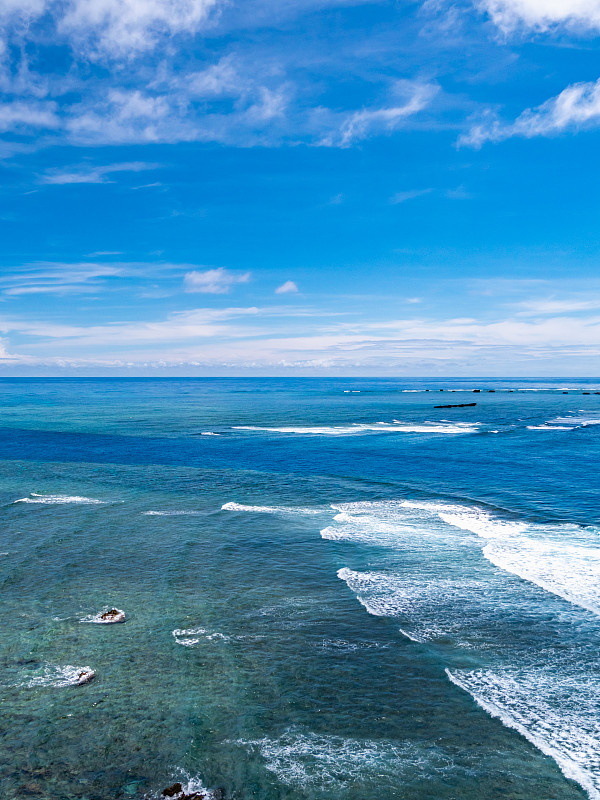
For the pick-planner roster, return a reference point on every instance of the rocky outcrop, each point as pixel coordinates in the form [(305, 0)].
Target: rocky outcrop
[(458, 405), (114, 615), (85, 676), (177, 791)]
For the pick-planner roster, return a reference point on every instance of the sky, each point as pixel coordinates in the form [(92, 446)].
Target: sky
[(300, 187)]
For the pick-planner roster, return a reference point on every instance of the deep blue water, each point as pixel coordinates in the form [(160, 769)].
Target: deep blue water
[(342, 592)]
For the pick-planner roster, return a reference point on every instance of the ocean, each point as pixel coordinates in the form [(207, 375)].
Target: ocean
[(332, 588)]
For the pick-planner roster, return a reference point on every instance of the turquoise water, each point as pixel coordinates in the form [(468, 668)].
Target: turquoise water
[(341, 593)]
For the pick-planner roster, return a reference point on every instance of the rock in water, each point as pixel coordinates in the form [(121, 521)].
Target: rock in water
[(177, 791), (458, 405), (114, 615), (173, 791), (85, 677)]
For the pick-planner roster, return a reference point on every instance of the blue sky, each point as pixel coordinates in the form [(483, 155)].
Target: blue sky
[(302, 187)]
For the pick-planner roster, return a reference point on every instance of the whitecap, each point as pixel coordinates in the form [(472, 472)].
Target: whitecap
[(171, 513), (344, 646), (192, 636), (548, 427), (58, 499), (581, 421), (232, 506), (209, 433), (379, 427)]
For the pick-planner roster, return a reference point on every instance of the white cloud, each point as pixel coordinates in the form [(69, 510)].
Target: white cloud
[(125, 27), (89, 174), (286, 288), (575, 107), (181, 325), (153, 86), (362, 124), (217, 80), (411, 194), (213, 281), (127, 116), (531, 308), (542, 15), (21, 115), (243, 338)]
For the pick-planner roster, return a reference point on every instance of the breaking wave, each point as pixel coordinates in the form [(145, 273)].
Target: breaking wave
[(58, 499), (269, 509), (541, 708), (378, 427)]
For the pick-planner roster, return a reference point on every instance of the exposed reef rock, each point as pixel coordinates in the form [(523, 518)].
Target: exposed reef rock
[(177, 791), (458, 405), (85, 677), (114, 615)]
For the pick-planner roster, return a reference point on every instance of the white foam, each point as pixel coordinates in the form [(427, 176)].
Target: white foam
[(344, 646), (57, 676), (381, 595), (439, 588), (569, 571), (410, 636), (541, 554), (416, 601), (209, 433), (548, 427), (542, 709), (582, 421), (561, 559), (171, 513), (58, 499), (268, 509), (192, 636), (379, 427), (316, 761), (190, 785), (470, 518), (97, 618)]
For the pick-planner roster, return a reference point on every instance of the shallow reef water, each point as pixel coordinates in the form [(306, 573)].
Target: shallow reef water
[(343, 593)]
